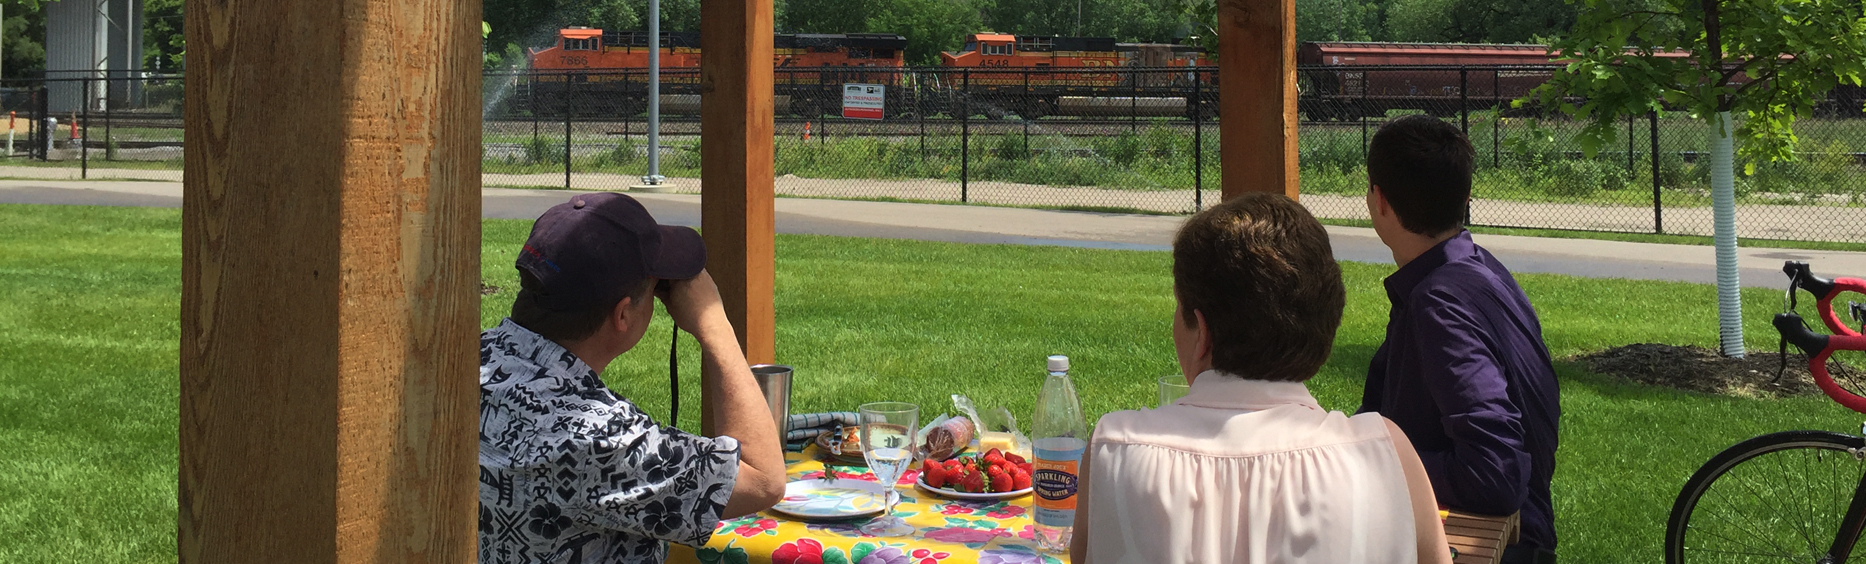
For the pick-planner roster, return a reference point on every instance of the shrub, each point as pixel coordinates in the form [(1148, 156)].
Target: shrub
[(1334, 153), (1011, 147), (543, 150), (626, 153), (1165, 144), (1585, 177), (1123, 149), (1531, 147)]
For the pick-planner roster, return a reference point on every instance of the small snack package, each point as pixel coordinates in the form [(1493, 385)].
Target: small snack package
[(997, 428), (945, 437)]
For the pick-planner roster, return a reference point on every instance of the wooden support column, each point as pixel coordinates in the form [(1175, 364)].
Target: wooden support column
[(330, 269), (1257, 73), (736, 214)]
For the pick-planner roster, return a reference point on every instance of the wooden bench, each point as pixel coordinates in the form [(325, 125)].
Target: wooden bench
[(1479, 539)]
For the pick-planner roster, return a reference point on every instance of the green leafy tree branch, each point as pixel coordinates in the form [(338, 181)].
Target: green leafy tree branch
[(1768, 60)]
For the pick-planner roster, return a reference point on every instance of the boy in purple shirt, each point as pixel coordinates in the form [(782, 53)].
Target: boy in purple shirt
[(1463, 370)]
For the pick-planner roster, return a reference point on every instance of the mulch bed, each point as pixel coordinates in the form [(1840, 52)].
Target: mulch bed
[(1700, 369)]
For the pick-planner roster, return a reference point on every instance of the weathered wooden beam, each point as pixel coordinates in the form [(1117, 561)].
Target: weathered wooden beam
[(1257, 119), (330, 269), (736, 214)]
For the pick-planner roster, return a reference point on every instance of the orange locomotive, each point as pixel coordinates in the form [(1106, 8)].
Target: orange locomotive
[(598, 72), (1034, 76)]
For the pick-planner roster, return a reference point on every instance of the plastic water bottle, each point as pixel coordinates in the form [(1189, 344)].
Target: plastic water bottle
[(1058, 436)]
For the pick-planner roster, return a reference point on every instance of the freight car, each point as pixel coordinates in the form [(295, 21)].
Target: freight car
[(1350, 80), (604, 73)]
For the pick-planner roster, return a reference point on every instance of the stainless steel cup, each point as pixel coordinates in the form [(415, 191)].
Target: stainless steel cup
[(774, 381)]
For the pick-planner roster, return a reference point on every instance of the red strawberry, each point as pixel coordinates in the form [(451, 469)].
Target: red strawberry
[(1000, 482), (1020, 480), (934, 474), (993, 457), (1013, 458), (974, 482), (1027, 468)]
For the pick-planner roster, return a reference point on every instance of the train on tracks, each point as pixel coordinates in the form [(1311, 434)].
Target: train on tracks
[(597, 73)]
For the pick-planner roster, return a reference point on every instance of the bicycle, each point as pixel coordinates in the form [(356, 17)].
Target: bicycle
[(1781, 496)]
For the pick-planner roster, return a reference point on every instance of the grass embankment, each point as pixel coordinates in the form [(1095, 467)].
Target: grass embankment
[(89, 330)]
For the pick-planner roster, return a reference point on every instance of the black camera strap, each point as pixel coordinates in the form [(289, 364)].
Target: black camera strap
[(673, 380)]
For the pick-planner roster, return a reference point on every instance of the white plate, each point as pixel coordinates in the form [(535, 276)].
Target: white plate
[(955, 494), (840, 498)]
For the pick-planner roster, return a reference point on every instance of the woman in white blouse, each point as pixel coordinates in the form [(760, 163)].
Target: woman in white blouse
[(1247, 467)]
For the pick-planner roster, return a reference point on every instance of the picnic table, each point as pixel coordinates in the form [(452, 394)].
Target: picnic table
[(956, 531), (946, 531)]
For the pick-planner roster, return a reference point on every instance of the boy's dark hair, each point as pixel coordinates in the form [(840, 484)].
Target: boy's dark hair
[(1260, 269), (563, 326), (1423, 166)]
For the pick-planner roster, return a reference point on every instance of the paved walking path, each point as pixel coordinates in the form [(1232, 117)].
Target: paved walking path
[(997, 225), (1761, 221)]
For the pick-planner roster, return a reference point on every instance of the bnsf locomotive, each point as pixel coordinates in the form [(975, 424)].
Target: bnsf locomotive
[(1035, 76), (596, 72)]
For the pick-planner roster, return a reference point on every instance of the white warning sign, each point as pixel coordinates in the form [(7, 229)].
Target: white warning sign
[(863, 101)]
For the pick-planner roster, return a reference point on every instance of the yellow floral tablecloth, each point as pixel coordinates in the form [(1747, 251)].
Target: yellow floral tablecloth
[(947, 531)]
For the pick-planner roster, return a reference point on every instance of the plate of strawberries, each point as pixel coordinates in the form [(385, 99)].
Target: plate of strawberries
[(994, 475)]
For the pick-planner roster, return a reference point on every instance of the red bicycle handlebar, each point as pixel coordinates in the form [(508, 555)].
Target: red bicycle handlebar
[(1825, 290), (1818, 347)]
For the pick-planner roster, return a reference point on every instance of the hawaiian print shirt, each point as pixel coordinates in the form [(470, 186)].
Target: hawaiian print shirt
[(570, 474)]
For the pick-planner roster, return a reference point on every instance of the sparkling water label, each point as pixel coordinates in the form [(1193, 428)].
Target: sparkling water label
[(1055, 480)]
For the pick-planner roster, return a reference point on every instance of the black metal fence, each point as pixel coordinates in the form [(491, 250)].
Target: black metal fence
[(93, 122), (1145, 139), (1118, 138)]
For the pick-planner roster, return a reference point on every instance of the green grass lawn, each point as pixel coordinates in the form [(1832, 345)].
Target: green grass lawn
[(89, 330)]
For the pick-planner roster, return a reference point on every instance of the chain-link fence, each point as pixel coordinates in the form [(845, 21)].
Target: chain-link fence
[(1003, 137), (1146, 139), (1112, 138), (93, 122)]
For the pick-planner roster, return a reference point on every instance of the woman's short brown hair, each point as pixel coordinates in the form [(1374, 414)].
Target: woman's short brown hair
[(1260, 269)]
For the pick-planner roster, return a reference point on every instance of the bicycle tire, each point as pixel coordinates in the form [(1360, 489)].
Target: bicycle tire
[(1690, 537)]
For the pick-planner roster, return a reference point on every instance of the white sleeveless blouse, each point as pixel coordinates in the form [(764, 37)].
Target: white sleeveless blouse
[(1246, 471)]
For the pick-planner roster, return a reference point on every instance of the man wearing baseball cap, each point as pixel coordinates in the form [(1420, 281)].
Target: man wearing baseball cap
[(569, 471)]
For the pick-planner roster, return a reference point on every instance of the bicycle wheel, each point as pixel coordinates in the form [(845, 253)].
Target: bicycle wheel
[(1774, 498)]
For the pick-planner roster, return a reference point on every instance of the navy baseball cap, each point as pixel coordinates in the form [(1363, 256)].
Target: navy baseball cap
[(594, 249)]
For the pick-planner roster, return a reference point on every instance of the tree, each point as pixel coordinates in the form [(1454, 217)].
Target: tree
[(21, 34), (930, 26), (1337, 20), (163, 42), (1769, 60), (1477, 21)]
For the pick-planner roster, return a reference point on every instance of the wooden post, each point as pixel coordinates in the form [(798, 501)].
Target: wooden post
[(1257, 125), (735, 165), (330, 269)]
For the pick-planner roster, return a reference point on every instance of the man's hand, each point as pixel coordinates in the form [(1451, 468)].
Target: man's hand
[(693, 303)]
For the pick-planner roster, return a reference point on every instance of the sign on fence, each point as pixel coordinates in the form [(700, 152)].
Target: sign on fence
[(863, 101)]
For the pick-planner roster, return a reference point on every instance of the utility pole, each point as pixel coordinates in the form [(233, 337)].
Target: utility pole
[(654, 178)]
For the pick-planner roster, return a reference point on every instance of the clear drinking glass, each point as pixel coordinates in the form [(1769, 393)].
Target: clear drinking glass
[(888, 436), (1172, 388)]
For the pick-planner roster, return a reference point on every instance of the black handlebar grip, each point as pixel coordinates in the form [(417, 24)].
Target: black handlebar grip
[(1793, 331), (1805, 278)]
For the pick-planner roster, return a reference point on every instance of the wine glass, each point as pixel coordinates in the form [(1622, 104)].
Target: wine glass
[(888, 443)]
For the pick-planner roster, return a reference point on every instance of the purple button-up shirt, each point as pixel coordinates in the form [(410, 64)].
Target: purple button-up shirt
[(1465, 374)]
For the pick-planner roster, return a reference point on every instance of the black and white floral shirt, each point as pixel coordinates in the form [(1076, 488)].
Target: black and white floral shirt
[(569, 473)]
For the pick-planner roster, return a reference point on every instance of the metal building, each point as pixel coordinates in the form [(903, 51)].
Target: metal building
[(93, 39)]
